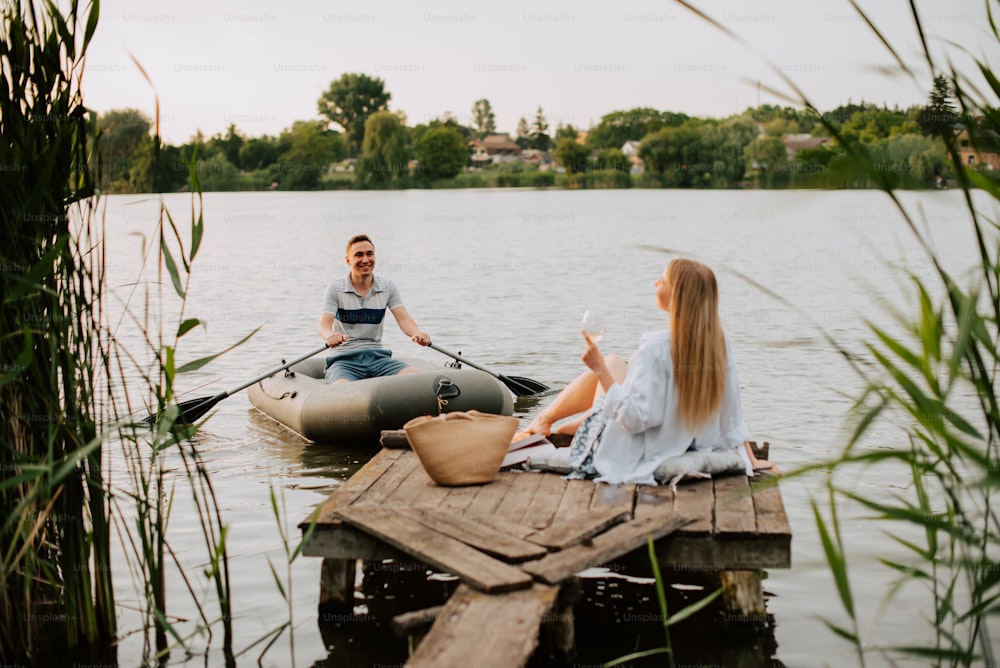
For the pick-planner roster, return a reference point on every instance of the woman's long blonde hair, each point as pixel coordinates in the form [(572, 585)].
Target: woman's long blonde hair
[(697, 345)]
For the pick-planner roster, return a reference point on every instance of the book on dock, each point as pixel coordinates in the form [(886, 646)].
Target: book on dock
[(529, 446)]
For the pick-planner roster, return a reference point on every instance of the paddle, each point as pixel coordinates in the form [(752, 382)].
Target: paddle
[(522, 387), (193, 409)]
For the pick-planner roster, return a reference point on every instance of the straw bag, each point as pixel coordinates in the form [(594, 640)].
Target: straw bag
[(461, 448)]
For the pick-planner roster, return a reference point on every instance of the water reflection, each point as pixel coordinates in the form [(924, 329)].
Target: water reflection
[(613, 616), (305, 459)]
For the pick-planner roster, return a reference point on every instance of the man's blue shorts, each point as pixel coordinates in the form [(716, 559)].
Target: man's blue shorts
[(362, 364)]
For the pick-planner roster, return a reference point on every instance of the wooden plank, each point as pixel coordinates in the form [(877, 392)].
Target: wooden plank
[(417, 487), (653, 500), (693, 501), (354, 486), (340, 540), (491, 494), (475, 629), (474, 533), (547, 497), (770, 510), (576, 498), (570, 530), (414, 621), (436, 549), (394, 438), (389, 481), (602, 549), (734, 512), (617, 497), (460, 498), (519, 496), (699, 553), (515, 529)]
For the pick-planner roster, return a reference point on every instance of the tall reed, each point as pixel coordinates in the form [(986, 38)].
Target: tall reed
[(55, 534), (65, 375), (934, 386)]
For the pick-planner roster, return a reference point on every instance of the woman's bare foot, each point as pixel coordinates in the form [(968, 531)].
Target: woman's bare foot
[(537, 426)]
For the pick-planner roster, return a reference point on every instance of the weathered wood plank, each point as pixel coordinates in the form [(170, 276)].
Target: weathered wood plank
[(355, 486), (471, 531), (704, 553), (460, 498), (616, 497), (568, 531), (734, 512), (653, 500), (770, 510), (475, 629), (414, 621), (515, 529), (339, 540), (602, 549), (491, 494), (576, 498), (436, 549), (417, 488), (519, 496), (694, 501), (394, 438), (389, 481), (547, 497)]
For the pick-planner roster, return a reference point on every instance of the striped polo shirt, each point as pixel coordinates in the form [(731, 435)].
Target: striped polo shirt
[(360, 317)]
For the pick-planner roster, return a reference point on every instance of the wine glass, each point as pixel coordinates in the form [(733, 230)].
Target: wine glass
[(593, 325)]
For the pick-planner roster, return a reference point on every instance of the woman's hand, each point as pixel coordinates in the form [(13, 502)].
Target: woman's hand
[(592, 356), (594, 360), (760, 465), (335, 339)]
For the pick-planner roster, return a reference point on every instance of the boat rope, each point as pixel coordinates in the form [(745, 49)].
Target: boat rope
[(445, 389), (287, 395)]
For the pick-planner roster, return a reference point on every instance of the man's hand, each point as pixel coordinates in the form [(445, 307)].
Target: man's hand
[(422, 338), (335, 339)]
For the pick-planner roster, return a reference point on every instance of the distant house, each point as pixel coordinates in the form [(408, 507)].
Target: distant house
[(985, 155), (533, 156), (800, 142), (630, 150), (494, 148)]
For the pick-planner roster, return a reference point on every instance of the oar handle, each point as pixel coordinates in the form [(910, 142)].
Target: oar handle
[(268, 374), (462, 360)]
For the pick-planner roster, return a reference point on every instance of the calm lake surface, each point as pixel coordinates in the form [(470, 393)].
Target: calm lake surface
[(504, 277)]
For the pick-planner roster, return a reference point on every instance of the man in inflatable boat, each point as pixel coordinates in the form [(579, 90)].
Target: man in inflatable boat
[(351, 321)]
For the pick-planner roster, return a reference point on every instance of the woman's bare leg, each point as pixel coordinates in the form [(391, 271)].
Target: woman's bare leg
[(575, 400)]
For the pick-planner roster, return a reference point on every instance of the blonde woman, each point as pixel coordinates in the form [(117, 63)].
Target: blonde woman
[(680, 391)]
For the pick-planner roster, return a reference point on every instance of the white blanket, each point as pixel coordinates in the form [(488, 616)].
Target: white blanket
[(692, 464)]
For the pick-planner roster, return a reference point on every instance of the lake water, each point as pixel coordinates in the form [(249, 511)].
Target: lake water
[(504, 277)]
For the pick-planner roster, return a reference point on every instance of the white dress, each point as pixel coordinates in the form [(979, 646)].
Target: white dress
[(643, 426)]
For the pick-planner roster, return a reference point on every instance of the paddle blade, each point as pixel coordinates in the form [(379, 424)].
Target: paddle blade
[(523, 387), (190, 410)]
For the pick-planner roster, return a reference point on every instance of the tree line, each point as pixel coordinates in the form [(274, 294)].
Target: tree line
[(355, 122)]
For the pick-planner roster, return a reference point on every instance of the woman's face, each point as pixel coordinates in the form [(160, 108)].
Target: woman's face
[(663, 291)]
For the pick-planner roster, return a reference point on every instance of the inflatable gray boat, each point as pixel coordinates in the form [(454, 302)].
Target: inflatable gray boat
[(357, 412)]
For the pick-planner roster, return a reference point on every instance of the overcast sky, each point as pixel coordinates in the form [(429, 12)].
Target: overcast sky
[(263, 64)]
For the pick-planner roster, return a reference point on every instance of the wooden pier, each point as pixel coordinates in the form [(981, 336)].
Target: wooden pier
[(517, 542)]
